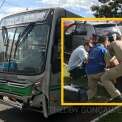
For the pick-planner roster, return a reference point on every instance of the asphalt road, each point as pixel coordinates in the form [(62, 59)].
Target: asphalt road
[(9, 114)]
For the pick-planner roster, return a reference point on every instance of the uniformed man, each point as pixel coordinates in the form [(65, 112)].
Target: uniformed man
[(109, 77), (97, 61)]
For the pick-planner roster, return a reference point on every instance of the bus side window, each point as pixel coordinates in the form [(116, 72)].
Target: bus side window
[(56, 57)]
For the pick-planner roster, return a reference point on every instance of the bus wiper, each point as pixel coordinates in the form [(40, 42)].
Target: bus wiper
[(9, 61), (23, 35), (5, 39)]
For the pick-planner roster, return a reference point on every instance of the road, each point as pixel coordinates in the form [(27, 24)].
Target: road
[(9, 114)]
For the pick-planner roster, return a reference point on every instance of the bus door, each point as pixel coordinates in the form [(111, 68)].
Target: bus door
[(54, 85)]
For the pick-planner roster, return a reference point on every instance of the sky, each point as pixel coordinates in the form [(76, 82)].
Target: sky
[(81, 7)]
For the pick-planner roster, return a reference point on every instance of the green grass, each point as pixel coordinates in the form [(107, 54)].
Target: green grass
[(116, 116)]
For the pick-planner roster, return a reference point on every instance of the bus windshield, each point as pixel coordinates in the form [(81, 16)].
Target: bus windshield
[(23, 49)]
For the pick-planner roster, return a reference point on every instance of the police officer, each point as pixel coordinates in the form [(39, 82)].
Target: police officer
[(109, 77), (98, 58)]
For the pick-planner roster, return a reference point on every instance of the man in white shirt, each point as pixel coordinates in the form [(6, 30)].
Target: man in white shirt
[(77, 59)]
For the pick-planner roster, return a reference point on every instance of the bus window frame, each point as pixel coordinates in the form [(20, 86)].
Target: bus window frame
[(55, 47), (48, 39)]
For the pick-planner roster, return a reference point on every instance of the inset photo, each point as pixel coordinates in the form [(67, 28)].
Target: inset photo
[(91, 61)]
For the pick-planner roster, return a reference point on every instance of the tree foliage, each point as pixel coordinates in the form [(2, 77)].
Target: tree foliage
[(110, 9)]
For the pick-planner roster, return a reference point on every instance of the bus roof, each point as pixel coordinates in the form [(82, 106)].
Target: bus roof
[(28, 16), (24, 17), (25, 11)]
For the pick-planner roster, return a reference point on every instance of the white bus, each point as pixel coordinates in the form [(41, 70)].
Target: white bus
[(30, 59)]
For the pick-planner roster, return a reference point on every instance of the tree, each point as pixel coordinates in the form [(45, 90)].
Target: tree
[(112, 8), (103, 1)]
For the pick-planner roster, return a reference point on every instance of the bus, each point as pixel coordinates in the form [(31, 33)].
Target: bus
[(30, 59), (105, 28)]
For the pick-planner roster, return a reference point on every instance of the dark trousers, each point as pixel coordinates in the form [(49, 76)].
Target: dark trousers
[(77, 72)]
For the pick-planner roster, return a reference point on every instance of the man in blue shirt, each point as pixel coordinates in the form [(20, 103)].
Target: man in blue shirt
[(97, 61)]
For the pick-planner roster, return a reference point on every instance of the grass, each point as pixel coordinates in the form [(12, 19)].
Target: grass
[(116, 116)]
